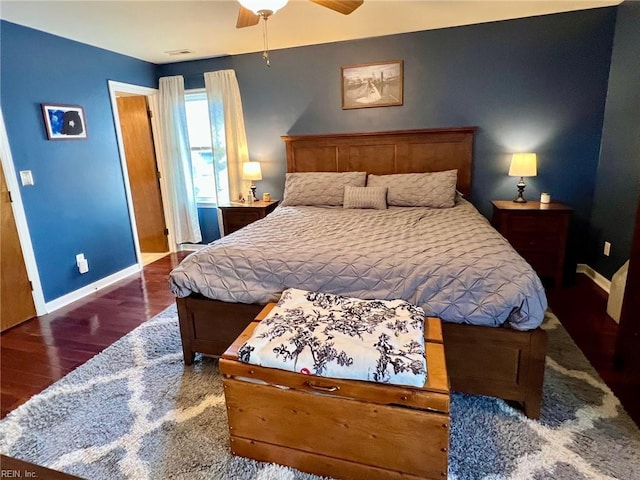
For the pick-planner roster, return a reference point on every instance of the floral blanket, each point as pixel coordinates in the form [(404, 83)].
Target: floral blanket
[(341, 337)]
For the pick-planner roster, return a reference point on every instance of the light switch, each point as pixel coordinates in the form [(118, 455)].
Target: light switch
[(26, 177)]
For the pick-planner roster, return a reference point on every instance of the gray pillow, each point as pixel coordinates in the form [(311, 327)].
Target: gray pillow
[(365, 197), (432, 189), (319, 188)]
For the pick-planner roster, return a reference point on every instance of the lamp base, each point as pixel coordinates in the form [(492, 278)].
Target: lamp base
[(253, 193), (520, 198)]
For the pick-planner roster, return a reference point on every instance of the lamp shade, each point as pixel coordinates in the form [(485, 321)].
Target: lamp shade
[(258, 5), (523, 165), (251, 171)]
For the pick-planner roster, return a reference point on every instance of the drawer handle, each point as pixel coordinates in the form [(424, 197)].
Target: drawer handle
[(333, 388)]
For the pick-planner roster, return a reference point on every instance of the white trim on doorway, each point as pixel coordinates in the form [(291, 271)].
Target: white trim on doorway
[(21, 219), (116, 88)]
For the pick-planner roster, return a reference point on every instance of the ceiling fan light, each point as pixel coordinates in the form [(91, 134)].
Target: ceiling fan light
[(259, 5)]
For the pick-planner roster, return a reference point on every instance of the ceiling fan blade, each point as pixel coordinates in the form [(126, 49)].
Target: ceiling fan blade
[(246, 18), (343, 7)]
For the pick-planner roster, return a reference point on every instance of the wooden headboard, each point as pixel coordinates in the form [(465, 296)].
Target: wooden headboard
[(382, 153)]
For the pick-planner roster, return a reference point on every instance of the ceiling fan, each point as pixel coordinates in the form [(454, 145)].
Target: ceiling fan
[(251, 11)]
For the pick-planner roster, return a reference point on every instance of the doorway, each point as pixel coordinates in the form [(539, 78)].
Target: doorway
[(16, 249), (627, 355), (16, 299), (143, 178)]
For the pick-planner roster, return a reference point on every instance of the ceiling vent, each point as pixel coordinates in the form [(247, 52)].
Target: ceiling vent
[(182, 51)]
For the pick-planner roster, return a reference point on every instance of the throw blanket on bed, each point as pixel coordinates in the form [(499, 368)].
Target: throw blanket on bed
[(341, 337)]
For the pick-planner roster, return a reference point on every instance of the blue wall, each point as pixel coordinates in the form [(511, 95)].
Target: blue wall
[(531, 84), (78, 202), (535, 84), (209, 227), (618, 179)]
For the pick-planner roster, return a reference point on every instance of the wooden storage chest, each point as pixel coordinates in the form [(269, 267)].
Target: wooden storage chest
[(341, 428)]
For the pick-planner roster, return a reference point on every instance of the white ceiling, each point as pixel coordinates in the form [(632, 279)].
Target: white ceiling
[(148, 29)]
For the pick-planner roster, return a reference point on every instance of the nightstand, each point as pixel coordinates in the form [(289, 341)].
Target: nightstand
[(238, 215), (536, 231)]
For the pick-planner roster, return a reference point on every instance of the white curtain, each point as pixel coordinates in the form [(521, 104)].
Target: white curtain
[(225, 108), (176, 154), (154, 106)]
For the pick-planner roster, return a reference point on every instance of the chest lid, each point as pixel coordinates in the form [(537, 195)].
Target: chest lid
[(433, 396)]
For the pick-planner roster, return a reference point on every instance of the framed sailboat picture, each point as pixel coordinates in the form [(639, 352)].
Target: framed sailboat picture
[(372, 85)]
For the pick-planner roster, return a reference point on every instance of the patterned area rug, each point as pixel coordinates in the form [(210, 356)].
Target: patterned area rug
[(136, 412)]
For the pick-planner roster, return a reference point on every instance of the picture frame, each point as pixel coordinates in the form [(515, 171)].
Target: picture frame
[(64, 122), (368, 85)]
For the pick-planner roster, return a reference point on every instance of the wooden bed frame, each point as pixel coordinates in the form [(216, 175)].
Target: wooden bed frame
[(499, 362)]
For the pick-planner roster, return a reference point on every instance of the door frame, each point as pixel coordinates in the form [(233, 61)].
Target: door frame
[(626, 356), (21, 220), (114, 88)]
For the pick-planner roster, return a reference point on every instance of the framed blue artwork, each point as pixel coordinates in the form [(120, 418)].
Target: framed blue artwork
[(64, 122)]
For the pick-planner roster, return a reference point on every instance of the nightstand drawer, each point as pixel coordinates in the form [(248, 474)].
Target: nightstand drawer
[(535, 223), (238, 215), (536, 231), (243, 217), (545, 264), (237, 219), (535, 242)]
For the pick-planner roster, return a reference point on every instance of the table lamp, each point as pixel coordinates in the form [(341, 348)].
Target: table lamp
[(523, 165), (251, 171)]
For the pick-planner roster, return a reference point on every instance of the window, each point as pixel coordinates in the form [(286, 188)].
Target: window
[(206, 180)]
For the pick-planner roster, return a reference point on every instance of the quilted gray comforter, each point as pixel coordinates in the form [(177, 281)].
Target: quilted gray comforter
[(450, 262)]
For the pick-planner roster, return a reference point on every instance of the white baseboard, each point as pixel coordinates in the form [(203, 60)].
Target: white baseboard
[(65, 300), (190, 247), (598, 279)]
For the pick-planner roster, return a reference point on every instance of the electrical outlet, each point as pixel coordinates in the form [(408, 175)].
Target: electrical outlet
[(26, 177), (83, 266), (607, 248)]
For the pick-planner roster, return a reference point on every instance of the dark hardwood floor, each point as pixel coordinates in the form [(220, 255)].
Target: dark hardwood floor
[(42, 350), (582, 310)]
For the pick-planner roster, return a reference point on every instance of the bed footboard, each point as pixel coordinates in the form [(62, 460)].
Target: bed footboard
[(210, 326), (498, 362)]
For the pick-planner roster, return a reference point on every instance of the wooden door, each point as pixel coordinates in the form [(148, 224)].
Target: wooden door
[(16, 300), (143, 173), (628, 340)]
